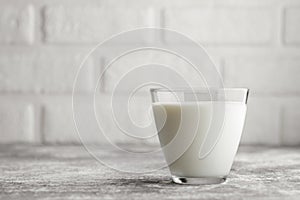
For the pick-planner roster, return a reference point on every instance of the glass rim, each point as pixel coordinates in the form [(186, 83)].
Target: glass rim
[(229, 94), (197, 89)]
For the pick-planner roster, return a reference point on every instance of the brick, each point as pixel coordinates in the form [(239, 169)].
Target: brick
[(59, 127), (178, 74), (16, 122), (262, 124), (291, 125), (292, 26), (223, 25), (16, 24), (41, 72), (264, 75), (90, 24), (58, 124), (131, 119)]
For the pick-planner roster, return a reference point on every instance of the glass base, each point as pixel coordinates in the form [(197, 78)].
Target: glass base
[(198, 181)]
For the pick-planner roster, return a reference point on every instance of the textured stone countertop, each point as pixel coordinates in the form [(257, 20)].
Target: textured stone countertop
[(69, 172)]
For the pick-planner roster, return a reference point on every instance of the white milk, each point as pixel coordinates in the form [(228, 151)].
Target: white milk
[(182, 119)]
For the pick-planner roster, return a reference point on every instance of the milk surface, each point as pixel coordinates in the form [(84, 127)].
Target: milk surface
[(182, 130)]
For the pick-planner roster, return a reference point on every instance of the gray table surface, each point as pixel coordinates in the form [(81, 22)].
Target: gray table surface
[(69, 172)]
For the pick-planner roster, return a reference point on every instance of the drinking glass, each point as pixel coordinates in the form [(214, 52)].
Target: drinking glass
[(199, 130)]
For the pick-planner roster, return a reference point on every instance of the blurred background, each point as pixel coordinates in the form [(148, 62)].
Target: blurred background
[(255, 44)]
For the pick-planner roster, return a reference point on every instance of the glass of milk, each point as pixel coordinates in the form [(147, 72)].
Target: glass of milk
[(199, 130)]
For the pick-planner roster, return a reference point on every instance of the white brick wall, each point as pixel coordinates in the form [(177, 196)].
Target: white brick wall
[(292, 25), (229, 25), (16, 122), (177, 71), (276, 75), (263, 122), (57, 124), (254, 43), (86, 24), (290, 121), (40, 72), (16, 24)]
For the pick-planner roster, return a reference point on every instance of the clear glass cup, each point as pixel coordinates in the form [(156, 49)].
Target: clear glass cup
[(199, 131)]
